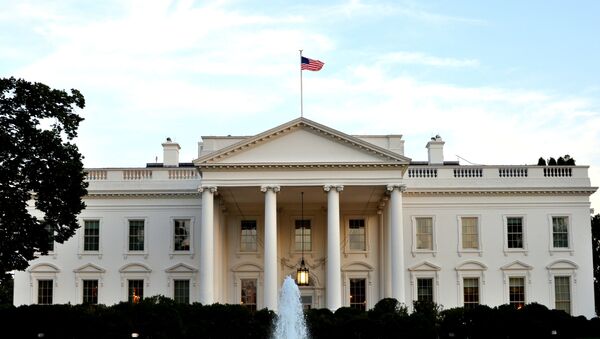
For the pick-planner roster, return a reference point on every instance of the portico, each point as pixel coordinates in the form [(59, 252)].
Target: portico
[(257, 182)]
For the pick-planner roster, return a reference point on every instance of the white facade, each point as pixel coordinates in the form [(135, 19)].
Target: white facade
[(381, 225)]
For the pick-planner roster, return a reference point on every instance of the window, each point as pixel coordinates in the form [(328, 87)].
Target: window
[(306, 301), (357, 235), (302, 235), (249, 293), (50, 231), (470, 233), (424, 233), (516, 291), (135, 291), (470, 292), (181, 235), (248, 237), (560, 232), (514, 232), (90, 291), (136, 235), (91, 235), (425, 289), (45, 291), (562, 293), (181, 291), (358, 296)]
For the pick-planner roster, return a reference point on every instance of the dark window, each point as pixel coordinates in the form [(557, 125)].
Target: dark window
[(357, 236), (516, 291), (249, 293), (302, 235), (181, 233), (45, 289), (181, 291), (50, 231), (514, 232), (470, 292), (562, 293), (90, 291), (306, 301), (358, 296), (560, 232), (136, 235), (425, 289), (91, 235), (135, 291), (248, 238)]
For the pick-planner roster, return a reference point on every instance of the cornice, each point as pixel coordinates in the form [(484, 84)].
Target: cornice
[(231, 166), (149, 194), (585, 191)]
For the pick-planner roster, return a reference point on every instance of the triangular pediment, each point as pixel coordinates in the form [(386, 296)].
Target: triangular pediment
[(181, 268), (516, 265), (89, 268), (425, 266), (302, 141)]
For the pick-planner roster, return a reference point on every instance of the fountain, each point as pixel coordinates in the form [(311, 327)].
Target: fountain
[(290, 317)]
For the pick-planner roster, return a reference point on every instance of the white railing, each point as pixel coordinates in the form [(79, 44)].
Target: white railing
[(422, 172), (511, 172), (96, 175), (183, 174), (468, 172), (137, 174), (552, 171)]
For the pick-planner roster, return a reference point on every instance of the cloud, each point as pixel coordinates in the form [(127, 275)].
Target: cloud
[(416, 58)]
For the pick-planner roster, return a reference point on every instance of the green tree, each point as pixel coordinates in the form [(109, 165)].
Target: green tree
[(596, 258), (39, 163)]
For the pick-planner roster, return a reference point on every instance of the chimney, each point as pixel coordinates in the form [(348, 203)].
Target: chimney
[(435, 151), (170, 153)]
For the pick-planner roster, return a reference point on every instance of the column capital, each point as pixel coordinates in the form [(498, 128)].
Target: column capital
[(274, 188), (338, 188), (400, 187), (211, 189)]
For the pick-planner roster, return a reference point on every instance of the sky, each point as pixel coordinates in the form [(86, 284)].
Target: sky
[(503, 82)]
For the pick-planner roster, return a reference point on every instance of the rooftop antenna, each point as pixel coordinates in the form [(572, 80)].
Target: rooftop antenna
[(470, 163)]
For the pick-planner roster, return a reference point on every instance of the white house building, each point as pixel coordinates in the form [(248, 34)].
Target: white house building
[(368, 221)]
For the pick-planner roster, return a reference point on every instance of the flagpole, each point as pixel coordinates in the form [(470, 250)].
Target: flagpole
[(301, 98)]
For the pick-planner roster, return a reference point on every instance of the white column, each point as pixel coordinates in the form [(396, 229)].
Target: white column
[(397, 240), (207, 253), (334, 268), (270, 264)]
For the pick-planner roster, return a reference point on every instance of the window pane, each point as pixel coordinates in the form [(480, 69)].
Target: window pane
[(470, 292), (424, 233), (356, 234), (50, 231), (248, 241), (425, 289), (45, 292), (516, 291), (135, 291), (249, 293), (514, 232), (306, 302), (90, 291), (358, 297), (560, 232), (136, 235), (470, 233), (181, 234), (303, 227), (91, 235), (181, 291), (562, 293)]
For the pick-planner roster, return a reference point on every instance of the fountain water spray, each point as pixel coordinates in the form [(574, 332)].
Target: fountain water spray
[(290, 316)]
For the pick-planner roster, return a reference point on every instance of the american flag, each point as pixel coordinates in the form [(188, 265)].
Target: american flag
[(310, 64)]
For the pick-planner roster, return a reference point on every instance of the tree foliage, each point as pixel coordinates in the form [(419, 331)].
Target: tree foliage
[(40, 163)]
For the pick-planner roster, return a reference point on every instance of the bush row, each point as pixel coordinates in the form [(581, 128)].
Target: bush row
[(159, 317)]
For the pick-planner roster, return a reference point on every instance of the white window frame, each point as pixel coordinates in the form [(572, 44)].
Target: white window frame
[(126, 251), (460, 248), (89, 272), (508, 250), (358, 270), (470, 269), (82, 252), (554, 250), (516, 269), (247, 270), (238, 233), (43, 271), (424, 270), (182, 271), (134, 271), (415, 250), (172, 251), (347, 249), (563, 268)]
